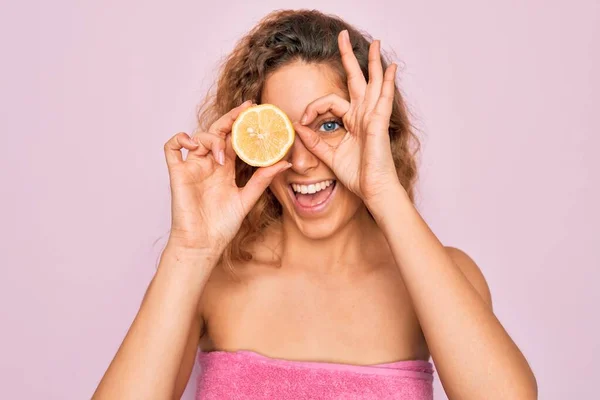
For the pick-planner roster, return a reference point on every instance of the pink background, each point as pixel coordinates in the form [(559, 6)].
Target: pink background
[(505, 93)]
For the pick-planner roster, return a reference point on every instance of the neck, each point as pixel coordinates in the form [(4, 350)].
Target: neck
[(356, 245)]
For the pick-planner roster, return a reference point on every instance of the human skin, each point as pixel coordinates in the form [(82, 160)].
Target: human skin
[(335, 285)]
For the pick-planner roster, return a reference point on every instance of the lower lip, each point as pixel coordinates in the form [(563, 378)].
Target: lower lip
[(311, 211)]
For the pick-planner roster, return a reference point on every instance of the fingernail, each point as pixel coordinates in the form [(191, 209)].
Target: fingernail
[(304, 118), (193, 142), (346, 34), (221, 157)]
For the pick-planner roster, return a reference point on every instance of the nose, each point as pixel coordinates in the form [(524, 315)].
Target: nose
[(301, 158)]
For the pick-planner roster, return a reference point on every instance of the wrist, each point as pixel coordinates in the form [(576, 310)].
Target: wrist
[(195, 247), (191, 254), (387, 201), (184, 272)]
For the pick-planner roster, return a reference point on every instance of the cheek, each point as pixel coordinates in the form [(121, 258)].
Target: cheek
[(333, 138), (349, 199), (279, 188)]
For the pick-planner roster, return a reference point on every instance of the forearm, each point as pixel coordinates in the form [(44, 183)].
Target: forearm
[(147, 362), (474, 355)]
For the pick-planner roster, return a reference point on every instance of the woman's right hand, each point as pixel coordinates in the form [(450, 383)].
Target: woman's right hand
[(207, 207)]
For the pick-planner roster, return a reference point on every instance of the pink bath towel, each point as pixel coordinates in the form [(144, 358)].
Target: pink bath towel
[(249, 375)]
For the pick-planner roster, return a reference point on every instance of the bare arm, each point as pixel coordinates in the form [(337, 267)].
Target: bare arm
[(207, 209), (148, 362), (474, 356), (189, 357)]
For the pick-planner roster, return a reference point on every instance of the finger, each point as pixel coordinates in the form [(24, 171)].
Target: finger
[(210, 142), (222, 126), (375, 75), (175, 144), (315, 144), (386, 100), (259, 182), (229, 152), (356, 80), (331, 102)]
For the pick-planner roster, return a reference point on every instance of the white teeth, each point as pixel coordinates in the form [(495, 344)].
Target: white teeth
[(312, 188)]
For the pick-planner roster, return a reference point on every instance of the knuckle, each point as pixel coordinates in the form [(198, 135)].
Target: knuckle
[(213, 137), (171, 139), (205, 136)]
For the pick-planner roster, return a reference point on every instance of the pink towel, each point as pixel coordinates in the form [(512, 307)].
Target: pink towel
[(249, 375)]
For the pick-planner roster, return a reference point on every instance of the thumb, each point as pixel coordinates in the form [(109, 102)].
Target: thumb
[(258, 183), (314, 143)]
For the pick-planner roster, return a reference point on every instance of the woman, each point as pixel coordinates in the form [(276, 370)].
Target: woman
[(258, 272)]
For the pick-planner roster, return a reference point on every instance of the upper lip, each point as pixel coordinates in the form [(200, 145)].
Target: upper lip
[(312, 182)]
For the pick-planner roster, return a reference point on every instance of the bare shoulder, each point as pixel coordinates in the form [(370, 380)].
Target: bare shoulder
[(471, 271), (227, 283), (221, 280)]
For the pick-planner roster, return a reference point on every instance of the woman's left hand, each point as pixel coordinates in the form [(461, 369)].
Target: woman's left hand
[(362, 161)]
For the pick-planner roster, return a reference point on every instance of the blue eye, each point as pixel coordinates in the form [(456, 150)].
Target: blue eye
[(330, 126)]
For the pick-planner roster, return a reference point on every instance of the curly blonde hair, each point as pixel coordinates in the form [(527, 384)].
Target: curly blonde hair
[(279, 38)]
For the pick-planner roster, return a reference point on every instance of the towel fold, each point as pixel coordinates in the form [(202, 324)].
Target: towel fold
[(249, 375)]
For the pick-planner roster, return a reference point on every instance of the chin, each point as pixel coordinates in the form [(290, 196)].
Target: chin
[(316, 229)]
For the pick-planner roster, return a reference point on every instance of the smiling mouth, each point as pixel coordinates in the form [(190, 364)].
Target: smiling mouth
[(313, 195)]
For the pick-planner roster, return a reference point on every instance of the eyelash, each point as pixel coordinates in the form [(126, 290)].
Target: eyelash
[(336, 120)]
